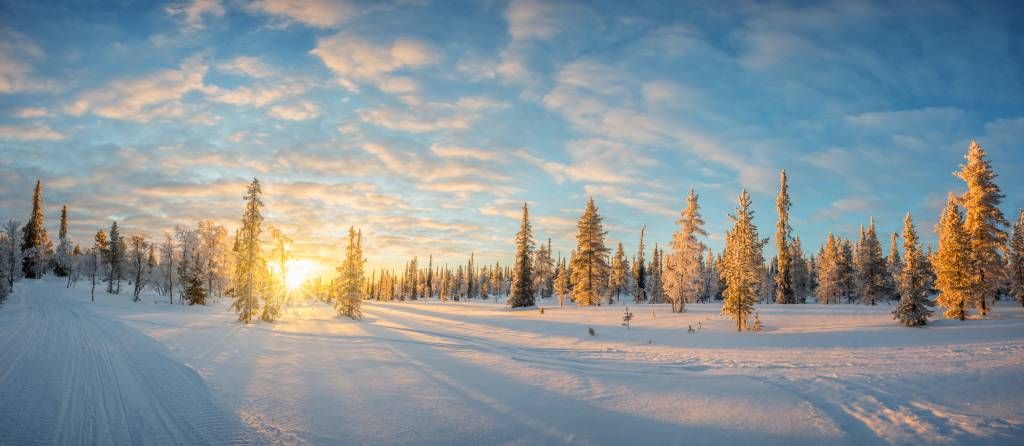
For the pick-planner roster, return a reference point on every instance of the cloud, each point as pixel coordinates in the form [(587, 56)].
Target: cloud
[(595, 160), (30, 112), (154, 96), (914, 118), (844, 206), (300, 111), (253, 67), (195, 11), (432, 116), (651, 203), (30, 132), (355, 60), (466, 152), (315, 13), (532, 19), (17, 54)]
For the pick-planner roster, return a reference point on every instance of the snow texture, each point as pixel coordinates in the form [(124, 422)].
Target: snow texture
[(76, 372)]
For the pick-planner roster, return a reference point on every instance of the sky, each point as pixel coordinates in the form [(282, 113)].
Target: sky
[(428, 123)]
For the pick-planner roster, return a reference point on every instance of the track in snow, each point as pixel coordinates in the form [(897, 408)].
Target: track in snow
[(69, 376)]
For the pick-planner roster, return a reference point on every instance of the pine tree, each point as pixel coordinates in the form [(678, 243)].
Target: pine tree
[(847, 272), (543, 270), (617, 281), (589, 265), (350, 282), (471, 283), (829, 272), (167, 265), (912, 310), (563, 288), (522, 293), (744, 263), (62, 265), (784, 289), (871, 267), (640, 271), (428, 282), (1016, 260), (655, 284), (250, 266), (34, 240), (684, 263), (984, 223), (893, 265), (952, 263), (115, 259), (801, 276)]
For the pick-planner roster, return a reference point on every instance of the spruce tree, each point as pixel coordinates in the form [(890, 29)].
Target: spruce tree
[(115, 259), (871, 267), (563, 287), (589, 265), (640, 271), (913, 310), (744, 264), (985, 225), (683, 266), (893, 265), (62, 263), (617, 282), (847, 272), (522, 292), (655, 284), (829, 273), (249, 264), (952, 263), (801, 276), (34, 240), (1016, 260), (10, 252), (785, 292), (350, 282)]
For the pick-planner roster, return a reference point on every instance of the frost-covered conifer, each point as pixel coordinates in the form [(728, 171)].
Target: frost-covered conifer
[(1015, 272), (522, 292), (349, 298), (250, 266), (984, 223), (683, 265), (914, 284), (952, 262), (589, 265), (744, 264)]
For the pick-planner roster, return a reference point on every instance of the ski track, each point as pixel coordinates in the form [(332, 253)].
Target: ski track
[(425, 373), (69, 376)]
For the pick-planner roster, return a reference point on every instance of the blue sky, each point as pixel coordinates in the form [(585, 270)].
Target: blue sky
[(429, 123)]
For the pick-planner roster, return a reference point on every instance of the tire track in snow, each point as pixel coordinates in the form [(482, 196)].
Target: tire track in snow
[(72, 377)]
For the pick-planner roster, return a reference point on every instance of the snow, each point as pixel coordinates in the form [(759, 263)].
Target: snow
[(113, 371)]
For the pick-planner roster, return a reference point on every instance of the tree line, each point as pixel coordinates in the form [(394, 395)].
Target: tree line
[(980, 258)]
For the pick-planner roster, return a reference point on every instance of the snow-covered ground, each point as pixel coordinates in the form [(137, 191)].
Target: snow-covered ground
[(74, 371)]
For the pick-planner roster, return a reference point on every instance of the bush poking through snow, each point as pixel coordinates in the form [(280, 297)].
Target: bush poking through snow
[(591, 331)]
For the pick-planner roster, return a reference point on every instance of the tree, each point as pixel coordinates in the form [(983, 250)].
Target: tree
[(784, 289), (168, 259), (744, 262), (115, 260), (350, 282), (828, 272), (250, 266), (801, 275), (543, 271), (912, 310), (522, 293), (1016, 258), (215, 254), (137, 250), (34, 240), (190, 267), (640, 271), (683, 266), (618, 280), (655, 284), (709, 278), (589, 265), (563, 286), (871, 268), (952, 262), (428, 282), (274, 297), (893, 266), (62, 264), (10, 252), (984, 223)]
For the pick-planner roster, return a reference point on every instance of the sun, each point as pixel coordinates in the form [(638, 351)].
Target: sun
[(297, 272)]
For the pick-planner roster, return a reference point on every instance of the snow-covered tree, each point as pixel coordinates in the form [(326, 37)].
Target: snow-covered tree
[(744, 263), (544, 271), (829, 271), (914, 285), (35, 243), (215, 252), (62, 258), (563, 285), (522, 293), (115, 257), (618, 280), (709, 278), (10, 252), (785, 292), (985, 224), (274, 294), (250, 267), (589, 265), (655, 284), (640, 271), (683, 265), (350, 282), (168, 264), (138, 249), (847, 272), (871, 267), (801, 275), (1015, 252), (952, 262), (190, 266)]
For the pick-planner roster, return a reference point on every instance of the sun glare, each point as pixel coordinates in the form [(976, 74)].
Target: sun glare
[(297, 272)]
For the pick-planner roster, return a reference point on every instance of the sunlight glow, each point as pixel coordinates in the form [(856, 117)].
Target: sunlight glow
[(297, 271)]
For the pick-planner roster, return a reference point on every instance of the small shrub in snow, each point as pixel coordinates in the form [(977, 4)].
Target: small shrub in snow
[(591, 331)]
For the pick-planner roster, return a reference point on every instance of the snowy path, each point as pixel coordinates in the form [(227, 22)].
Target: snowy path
[(68, 376), (418, 373)]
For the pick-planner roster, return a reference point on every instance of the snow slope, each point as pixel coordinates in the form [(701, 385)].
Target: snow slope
[(474, 373)]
